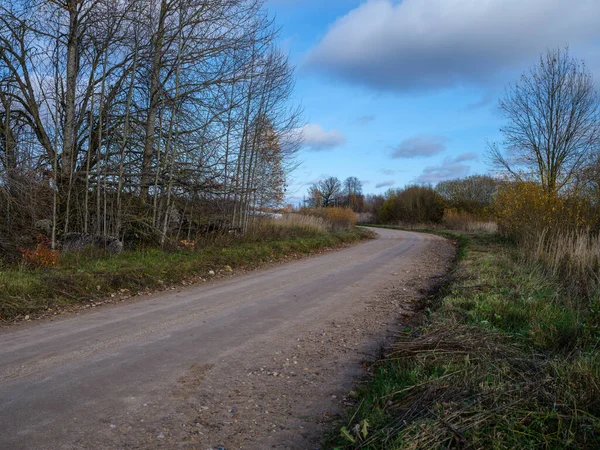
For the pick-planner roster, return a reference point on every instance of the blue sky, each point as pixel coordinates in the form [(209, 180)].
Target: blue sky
[(398, 92)]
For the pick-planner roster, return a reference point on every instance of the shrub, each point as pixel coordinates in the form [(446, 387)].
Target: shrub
[(42, 255), (525, 209), (414, 204), (474, 194), (556, 232)]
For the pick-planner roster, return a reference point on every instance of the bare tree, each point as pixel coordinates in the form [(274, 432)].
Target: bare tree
[(553, 128), (472, 194), (142, 118), (328, 191), (352, 186)]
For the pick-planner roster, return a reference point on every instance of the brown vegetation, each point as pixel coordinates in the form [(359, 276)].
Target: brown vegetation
[(414, 205), (337, 218)]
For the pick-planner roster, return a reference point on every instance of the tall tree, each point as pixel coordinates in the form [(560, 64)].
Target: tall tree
[(553, 128), (328, 191)]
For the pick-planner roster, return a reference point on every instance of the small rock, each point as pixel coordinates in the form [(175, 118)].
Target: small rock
[(113, 425), (211, 272), (160, 436), (27, 317), (227, 269)]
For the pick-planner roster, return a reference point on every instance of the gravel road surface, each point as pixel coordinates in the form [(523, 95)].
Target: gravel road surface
[(258, 360)]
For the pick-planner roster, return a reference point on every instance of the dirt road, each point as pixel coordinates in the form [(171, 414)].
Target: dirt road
[(260, 360)]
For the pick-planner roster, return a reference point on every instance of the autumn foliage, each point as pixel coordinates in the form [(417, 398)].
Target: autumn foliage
[(42, 255), (526, 209)]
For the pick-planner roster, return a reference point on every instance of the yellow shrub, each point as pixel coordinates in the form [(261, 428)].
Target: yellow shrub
[(524, 208)]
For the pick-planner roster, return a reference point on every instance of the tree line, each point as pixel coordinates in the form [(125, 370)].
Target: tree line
[(547, 165), (332, 192), (141, 119)]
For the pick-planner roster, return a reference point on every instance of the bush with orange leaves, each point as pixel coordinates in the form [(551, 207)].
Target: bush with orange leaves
[(524, 210), (42, 255)]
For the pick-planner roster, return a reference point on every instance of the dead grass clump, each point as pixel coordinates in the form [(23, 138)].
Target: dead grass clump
[(471, 388), (452, 340)]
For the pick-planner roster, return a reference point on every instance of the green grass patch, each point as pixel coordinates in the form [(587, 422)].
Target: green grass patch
[(505, 360), (91, 274)]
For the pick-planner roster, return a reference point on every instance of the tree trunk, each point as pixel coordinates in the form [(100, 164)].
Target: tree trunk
[(155, 95), (68, 151)]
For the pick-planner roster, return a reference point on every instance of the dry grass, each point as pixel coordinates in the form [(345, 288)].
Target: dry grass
[(463, 221), (338, 218), (503, 361), (365, 218), (573, 257), (286, 225), (299, 221)]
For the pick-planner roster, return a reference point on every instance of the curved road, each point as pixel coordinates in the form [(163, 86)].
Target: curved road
[(62, 381)]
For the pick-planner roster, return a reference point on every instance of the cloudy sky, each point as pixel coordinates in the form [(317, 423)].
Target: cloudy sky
[(398, 92)]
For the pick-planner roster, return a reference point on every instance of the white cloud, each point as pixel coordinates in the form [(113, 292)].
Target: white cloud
[(315, 138), (470, 156), (450, 169), (420, 146), (427, 44), (383, 184)]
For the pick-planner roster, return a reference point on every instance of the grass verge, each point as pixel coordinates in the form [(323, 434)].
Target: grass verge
[(89, 275), (503, 360)]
